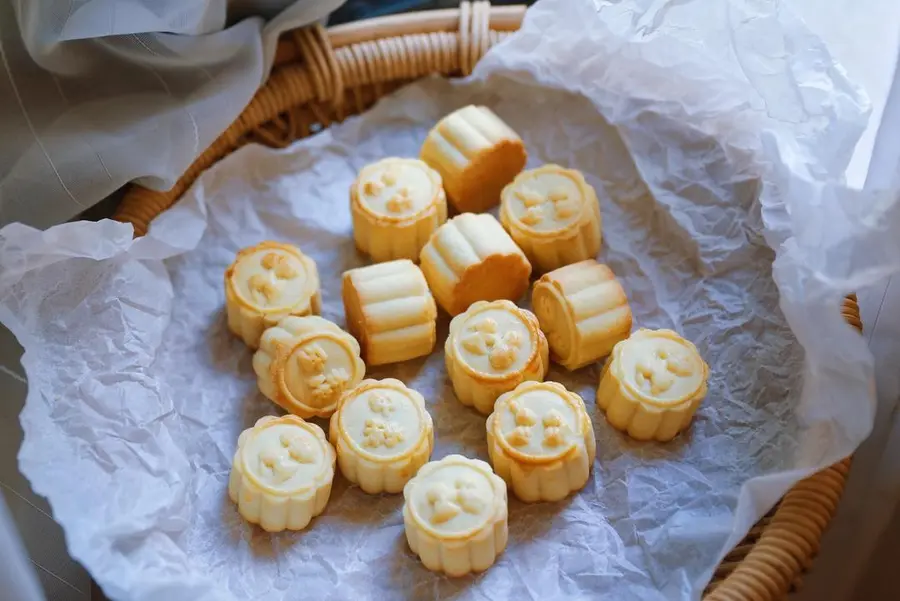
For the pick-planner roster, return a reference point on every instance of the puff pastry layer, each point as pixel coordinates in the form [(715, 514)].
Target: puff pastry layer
[(492, 348), (304, 364), (583, 311), (553, 215), (476, 154), (541, 441), (396, 204), (265, 283), (281, 473), (652, 384), (383, 435), (455, 515), (471, 258), (390, 310)]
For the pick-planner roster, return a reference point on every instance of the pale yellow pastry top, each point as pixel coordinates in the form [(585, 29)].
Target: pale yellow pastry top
[(397, 189), (271, 277), (322, 365), (382, 421), (284, 456), (454, 498), (539, 424), (546, 200), (495, 340), (660, 367)]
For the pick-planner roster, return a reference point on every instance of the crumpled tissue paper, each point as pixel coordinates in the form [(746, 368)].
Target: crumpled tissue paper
[(715, 134)]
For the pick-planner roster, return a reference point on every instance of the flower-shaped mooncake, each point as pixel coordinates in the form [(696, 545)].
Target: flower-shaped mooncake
[(553, 215), (652, 384), (390, 310), (281, 473), (455, 515), (265, 283), (396, 205), (492, 348), (305, 363), (471, 258), (383, 435), (583, 311), (541, 441)]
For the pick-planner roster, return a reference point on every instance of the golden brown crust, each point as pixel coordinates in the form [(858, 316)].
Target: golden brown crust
[(471, 258), (305, 363), (541, 441), (476, 155), (382, 433), (391, 311), (584, 312)]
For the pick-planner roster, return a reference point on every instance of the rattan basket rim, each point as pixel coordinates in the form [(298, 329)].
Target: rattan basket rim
[(321, 76)]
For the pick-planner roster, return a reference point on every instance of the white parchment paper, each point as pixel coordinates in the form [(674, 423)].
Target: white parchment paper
[(716, 135)]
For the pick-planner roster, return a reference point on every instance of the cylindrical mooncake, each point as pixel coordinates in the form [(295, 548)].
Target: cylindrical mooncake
[(265, 283), (396, 205), (471, 258), (476, 154), (382, 433), (455, 515), (553, 215), (583, 311), (492, 348), (652, 384), (390, 310)]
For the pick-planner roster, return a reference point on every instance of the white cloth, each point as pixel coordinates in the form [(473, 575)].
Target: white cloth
[(95, 96)]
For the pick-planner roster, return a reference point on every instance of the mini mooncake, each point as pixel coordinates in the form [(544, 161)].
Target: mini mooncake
[(396, 205), (583, 311), (390, 310), (455, 515), (305, 364), (553, 215), (652, 384), (476, 154), (265, 283), (492, 348), (383, 434), (471, 258), (281, 473), (541, 441)]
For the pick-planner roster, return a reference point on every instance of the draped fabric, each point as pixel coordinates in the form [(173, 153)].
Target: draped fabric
[(97, 93)]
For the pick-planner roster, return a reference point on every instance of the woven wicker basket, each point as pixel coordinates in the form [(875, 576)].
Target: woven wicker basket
[(322, 76)]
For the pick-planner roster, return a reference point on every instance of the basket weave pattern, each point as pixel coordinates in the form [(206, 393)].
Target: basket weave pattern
[(322, 76)]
